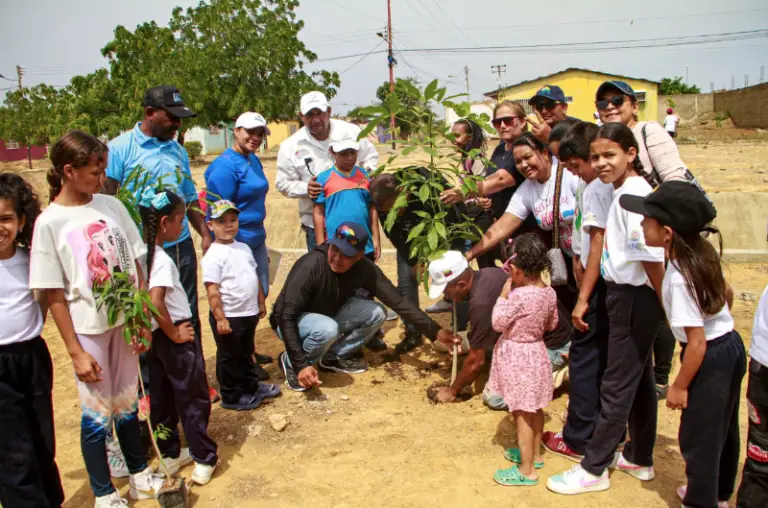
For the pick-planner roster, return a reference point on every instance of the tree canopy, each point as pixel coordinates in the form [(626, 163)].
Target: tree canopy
[(413, 112), (675, 86)]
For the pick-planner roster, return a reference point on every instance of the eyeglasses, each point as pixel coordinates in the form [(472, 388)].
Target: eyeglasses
[(346, 234), (546, 104), (616, 100), (506, 120)]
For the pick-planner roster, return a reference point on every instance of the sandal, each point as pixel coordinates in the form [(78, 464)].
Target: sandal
[(513, 477), (513, 455)]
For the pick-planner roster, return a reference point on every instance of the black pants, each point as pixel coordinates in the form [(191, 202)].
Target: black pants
[(234, 358), (628, 391), (663, 352), (753, 491), (29, 477), (180, 391), (588, 357), (709, 426)]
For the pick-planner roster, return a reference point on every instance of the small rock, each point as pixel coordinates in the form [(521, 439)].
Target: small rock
[(230, 438), (344, 397), (329, 412), (278, 421), (254, 429), (747, 297)]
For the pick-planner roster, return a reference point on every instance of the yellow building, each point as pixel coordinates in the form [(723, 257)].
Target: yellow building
[(580, 86), (280, 131)]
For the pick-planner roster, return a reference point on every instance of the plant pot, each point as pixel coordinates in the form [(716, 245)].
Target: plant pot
[(173, 494)]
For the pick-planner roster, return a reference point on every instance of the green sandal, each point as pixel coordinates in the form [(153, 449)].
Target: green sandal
[(513, 477), (513, 455)]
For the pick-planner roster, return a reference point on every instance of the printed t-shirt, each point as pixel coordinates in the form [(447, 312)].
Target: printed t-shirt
[(596, 201), (346, 199)]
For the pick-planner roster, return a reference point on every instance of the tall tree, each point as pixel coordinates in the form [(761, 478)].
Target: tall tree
[(675, 86)]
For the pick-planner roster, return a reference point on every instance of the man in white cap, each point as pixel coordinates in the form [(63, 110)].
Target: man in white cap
[(305, 155)]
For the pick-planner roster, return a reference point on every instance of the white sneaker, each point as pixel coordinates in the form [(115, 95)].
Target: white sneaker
[(116, 460), (440, 306), (112, 500), (146, 484), (578, 481), (202, 473), (644, 474), (182, 460)]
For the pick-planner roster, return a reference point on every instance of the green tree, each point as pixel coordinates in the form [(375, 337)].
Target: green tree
[(413, 113), (675, 86)]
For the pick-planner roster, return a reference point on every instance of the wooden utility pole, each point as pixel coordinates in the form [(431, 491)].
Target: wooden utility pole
[(20, 74), (466, 77), (498, 70), (391, 60)]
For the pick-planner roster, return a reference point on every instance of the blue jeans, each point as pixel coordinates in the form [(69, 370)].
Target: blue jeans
[(262, 266), (310, 237), (556, 356), (342, 335)]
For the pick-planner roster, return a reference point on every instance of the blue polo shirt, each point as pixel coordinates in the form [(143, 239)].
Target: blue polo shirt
[(240, 179), (166, 161)]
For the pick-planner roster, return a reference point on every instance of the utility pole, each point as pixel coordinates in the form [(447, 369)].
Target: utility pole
[(391, 60), (20, 74), (498, 70), (466, 77), (686, 74), (762, 74), (733, 82), (746, 80)]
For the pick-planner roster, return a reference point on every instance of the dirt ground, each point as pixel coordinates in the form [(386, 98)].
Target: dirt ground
[(373, 439)]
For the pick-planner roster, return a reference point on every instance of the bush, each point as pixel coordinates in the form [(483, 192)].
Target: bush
[(194, 149)]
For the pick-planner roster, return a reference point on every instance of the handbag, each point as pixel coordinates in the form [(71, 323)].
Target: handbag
[(558, 271)]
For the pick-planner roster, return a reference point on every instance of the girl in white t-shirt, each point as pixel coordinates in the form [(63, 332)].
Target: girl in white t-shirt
[(633, 273), (83, 238), (697, 300), (178, 382), (28, 470)]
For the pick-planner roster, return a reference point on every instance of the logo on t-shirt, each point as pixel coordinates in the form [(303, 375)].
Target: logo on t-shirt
[(101, 250)]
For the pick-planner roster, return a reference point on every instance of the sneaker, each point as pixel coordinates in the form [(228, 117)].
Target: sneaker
[(555, 443), (202, 473), (245, 403), (409, 343), (439, 307), (268, 391), (642, 473), (143, 408), (145, 485), (112, 500), (262, 359), (578, 481), (291, 379), (681, 491), (391, 315), (377, 343), (344, 365), (174, 464), (116, 460), (214, 394)]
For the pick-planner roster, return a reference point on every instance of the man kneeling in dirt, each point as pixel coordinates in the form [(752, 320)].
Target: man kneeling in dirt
[(451, 276), (323, 323)]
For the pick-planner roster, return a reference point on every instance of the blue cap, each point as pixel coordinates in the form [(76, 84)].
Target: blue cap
[(551, 92), (619, 86), (350, 238)]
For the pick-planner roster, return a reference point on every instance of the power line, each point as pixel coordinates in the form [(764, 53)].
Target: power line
[(362, 58)]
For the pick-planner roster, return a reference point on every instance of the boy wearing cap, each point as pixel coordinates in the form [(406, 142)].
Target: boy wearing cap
[(236, 299)]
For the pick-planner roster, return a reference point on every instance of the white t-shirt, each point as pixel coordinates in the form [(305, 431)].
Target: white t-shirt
[(233, 268), (682, 310), (759, 349), (624, 247), (166, 275), (670, 123), (537, 198), (73, 246), (19, 312), (596, 201)]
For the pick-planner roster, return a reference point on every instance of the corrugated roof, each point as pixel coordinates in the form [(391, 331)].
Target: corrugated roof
[(494, 93)]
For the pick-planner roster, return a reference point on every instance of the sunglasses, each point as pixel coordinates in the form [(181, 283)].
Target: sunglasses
[(616, 100), (546, 104), (508, 121), (348, 236)]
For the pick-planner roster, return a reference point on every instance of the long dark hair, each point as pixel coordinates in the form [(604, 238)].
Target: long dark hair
[(624, 137), (76, 149), (150, 218), (700, 265), (477, 137), (23, 199)]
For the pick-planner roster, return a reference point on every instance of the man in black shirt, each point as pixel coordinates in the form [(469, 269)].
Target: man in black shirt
[(320, 320)]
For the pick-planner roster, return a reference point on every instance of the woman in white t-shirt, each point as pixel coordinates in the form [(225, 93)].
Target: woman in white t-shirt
[(28, 470), (81, 239), (697, 299)]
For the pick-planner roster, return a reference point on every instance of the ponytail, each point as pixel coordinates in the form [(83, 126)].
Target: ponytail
[(153, 206), (75, 148)]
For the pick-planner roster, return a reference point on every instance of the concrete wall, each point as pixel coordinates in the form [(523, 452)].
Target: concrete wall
[(742, 218), (687, 107), (748, 107)]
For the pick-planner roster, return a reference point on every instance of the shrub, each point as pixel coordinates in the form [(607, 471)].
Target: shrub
[(194, 149)]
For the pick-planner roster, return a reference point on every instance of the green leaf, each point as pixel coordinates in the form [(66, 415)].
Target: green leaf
[(437, 185), (440, 228), (372, 125), (415, 231), (432, 238), (422, 214), (424, 193), (429, 92)]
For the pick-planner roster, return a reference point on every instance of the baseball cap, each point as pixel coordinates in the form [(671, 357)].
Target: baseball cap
[(444, 270), (345, 144), (222, 206), (313, 100), (350, 238), (167, 97), (679, 205), (250, 120), (551, 92), (620, 86)]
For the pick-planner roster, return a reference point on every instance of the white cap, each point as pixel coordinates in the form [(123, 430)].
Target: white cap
[(345, 144), (313, 100), (251, 120), (445, 270)]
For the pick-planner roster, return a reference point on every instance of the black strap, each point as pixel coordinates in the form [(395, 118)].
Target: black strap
[(652, 176), (556, 207)]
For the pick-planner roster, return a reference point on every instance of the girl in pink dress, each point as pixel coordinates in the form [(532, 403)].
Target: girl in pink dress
[(520, 370)]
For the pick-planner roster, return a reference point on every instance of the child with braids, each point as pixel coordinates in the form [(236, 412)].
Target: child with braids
[(521, 372), (176, 369), (80, 239)]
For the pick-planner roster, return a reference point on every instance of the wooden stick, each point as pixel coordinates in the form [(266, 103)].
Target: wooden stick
[(455, 366)]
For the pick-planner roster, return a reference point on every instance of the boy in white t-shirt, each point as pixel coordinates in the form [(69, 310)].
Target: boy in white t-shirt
[(670, 122), (237, 303)]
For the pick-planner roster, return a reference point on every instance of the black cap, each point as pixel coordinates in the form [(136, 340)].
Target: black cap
[(620, 86), (167, 97), (350, 238), (679, 205)]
